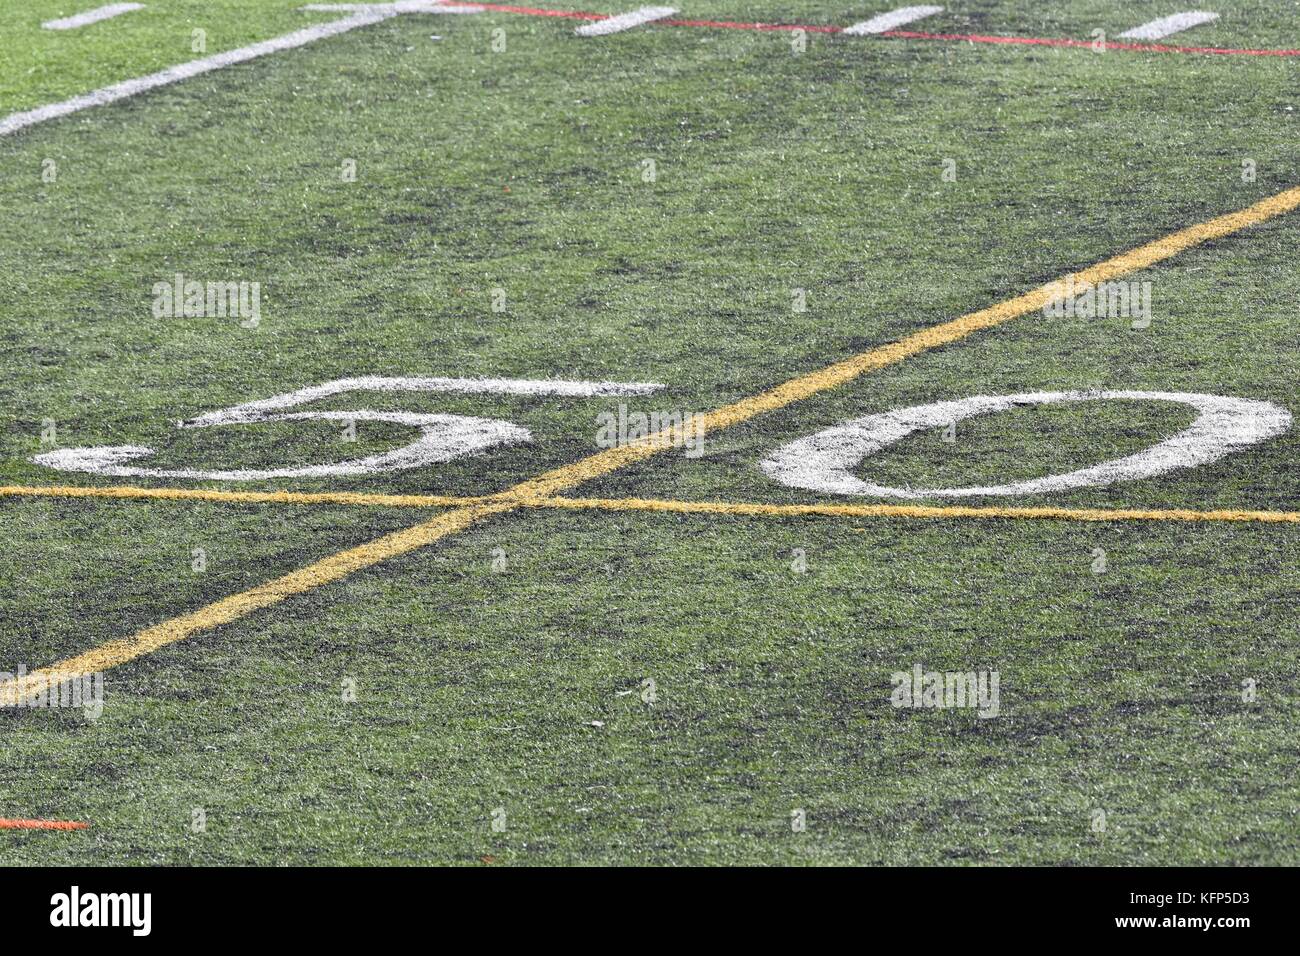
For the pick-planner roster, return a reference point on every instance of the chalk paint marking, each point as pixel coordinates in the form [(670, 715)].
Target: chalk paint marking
[(42, 824), (184, 71), (442, 438), (927, 512), (92, 16), (962, 38), (624, 21), (131, 492), (562, 388), (824, 462), (240, 605), (744, 508), (891, 20), (392, 9), (933, 337), (335, 567), (1167, 26)]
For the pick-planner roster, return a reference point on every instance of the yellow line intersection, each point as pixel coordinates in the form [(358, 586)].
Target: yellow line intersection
[(542, 491), (740, 508)]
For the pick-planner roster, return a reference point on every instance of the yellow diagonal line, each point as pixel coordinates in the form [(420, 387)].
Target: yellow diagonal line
[(239, 605), (841, 372), (560, 479)]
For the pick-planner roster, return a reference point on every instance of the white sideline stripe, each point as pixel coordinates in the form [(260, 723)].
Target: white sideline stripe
[(891, 20), (92, 16), (184, 71), (624, 21), (401, 6), (1163, 27)]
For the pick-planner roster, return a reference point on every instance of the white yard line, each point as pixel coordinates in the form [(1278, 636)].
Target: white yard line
[(92, 16), (174, 74), (401, 6), (1165, 26), (891, 20), (624, 21)]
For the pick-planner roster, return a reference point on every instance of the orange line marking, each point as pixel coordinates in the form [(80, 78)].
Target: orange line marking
[(42, 824)]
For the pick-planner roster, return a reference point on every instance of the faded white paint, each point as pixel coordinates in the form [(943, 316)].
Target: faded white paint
[(624, 21), (92, 16), (1166, 26), (562, 388), (442, 437), (892, 20), (391, 9), (823, 462)]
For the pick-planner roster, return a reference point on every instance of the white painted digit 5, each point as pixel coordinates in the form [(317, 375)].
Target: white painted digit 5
[(442, 437)]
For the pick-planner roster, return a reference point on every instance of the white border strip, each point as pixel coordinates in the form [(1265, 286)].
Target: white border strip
[(624, 21), (891, 20), (120, 91), (401, 6), (1165, 26), (92, 16)]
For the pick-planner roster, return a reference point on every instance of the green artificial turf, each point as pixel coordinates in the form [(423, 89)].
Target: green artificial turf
[(516, 693)]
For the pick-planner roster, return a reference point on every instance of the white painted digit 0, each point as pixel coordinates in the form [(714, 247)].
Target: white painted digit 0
[(442, 437), (824, 462)]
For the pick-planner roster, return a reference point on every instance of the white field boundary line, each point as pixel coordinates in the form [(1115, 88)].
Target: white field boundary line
[(91, 16), (401, 6), (184, 71), (891, 20), (1167, 26), (624, 21)]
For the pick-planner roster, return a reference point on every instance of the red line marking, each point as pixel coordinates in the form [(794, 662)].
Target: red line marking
[(900, 34), (42, 824), (540, 12), (1109, 44), (732, 25)]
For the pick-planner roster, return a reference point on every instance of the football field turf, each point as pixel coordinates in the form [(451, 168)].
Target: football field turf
[(547, 650)]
